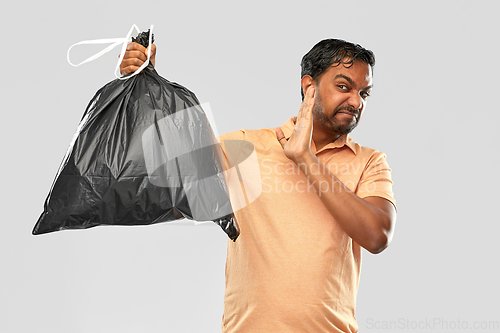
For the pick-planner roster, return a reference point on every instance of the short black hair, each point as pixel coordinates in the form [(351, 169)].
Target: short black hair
[(329, 52)]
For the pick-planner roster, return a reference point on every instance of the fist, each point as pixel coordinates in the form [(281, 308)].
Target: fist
[(135, 56)]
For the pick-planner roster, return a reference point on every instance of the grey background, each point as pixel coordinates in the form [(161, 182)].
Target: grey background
[(433, 110)]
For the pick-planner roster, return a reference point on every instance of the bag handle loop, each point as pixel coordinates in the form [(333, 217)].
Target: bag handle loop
[(114, 43)]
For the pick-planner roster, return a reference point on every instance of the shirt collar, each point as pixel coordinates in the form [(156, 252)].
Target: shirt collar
[(344, 140)]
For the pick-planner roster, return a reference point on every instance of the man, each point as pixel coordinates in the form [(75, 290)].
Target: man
[(295, 266)]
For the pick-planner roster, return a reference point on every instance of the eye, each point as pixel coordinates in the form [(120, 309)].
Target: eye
[(343, 87), (364, 94)]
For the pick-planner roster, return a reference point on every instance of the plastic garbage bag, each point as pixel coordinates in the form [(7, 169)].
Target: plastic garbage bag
[(144, 153)]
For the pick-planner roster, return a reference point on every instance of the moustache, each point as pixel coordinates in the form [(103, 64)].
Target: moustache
[(347, 108)]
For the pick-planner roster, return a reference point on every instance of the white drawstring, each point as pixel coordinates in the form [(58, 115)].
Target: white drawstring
[(115, 42)]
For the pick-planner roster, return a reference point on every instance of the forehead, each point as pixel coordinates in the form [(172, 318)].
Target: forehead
[(360, 73)]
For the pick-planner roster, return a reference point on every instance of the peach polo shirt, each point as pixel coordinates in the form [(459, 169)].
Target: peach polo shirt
[(293, 269)]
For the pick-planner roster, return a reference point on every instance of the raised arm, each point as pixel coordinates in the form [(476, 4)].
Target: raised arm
[(369, 221)]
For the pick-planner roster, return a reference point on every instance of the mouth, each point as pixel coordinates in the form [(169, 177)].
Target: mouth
[(348, 114)]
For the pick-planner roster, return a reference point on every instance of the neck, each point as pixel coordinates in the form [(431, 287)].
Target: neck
[(321, 139)]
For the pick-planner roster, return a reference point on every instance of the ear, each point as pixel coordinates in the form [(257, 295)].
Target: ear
[(306, 82)]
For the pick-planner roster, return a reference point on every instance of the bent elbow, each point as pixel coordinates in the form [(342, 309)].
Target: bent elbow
[(379, 243), (383, 235)]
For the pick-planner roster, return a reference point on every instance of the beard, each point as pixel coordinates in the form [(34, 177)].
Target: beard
[(331, 123)]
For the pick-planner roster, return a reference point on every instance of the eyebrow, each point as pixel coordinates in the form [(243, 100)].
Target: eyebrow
[(351, 82)]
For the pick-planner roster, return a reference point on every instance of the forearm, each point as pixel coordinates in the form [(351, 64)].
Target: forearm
[(365, 222)]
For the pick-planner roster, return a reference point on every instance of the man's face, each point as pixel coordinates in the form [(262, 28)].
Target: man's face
[(341, 95)]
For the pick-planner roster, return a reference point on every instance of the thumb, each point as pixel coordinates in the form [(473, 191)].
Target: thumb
[(280, 136), (153, 54)]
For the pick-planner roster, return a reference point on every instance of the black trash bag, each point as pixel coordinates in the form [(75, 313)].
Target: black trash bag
[(144, 153)]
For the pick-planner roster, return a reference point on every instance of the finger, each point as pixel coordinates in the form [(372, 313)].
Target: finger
[(128, 70), (153, 54), (131, 62), (153, 50), (305, 113), (308, 102), (135, 54), (130, 65), (280, 136), (136, 47)]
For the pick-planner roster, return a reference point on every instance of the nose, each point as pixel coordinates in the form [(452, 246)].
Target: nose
[(355, 100)]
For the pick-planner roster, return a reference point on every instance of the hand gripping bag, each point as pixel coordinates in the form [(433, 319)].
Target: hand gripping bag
[(144, 152)]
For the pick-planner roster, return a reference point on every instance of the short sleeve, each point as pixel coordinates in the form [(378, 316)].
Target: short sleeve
[(376, 179), (235, 135)]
